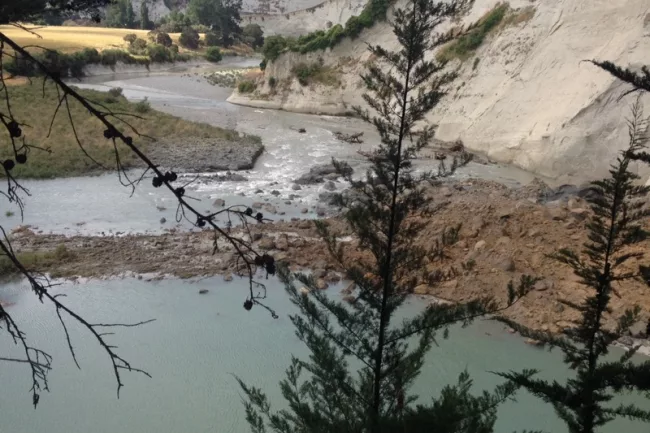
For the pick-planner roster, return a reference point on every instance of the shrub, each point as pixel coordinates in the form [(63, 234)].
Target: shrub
[(263, 65), (163, 39), (171, 27), (254, 35), (273, 82), (273, 47), (173, 48), (139, 44), (143, 106), (246, 86), (213, 54), (130, 38), (115, 92), (212, 39), (152, 35), (464, 46), (159, 54), (189, 38), (90, 55)]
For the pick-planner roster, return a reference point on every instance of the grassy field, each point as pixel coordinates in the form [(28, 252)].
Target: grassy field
[(35, 108), (70, 39)]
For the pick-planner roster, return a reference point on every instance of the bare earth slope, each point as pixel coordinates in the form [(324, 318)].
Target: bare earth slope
[(530, 100)]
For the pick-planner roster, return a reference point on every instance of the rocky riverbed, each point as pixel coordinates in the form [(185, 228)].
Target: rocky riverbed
[(193, 154), (506, 233)]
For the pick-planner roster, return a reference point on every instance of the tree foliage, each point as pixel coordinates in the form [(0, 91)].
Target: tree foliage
[(189, 38), (219, 15), (145, 22), (35, 10), (584, 403), (362, 363), (120, 14), (254, 34)]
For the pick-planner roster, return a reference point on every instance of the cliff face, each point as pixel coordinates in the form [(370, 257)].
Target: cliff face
[(528, 99), (302, 21), (258, 8)]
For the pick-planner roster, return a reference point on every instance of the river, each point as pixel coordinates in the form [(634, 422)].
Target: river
[(199, 341)]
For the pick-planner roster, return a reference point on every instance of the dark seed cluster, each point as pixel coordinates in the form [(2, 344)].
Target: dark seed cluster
[(14, 129), (248, 304), (169, 176), (267, 262)]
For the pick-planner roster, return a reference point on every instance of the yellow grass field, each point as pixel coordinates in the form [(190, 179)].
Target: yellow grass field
[(69, 39)]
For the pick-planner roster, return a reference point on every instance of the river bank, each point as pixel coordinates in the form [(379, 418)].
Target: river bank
[(506, 233)]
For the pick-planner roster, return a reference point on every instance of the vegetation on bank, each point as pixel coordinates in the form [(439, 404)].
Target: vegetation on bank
[(316, 72), (374, 11), (35, 260), (500, 15), (35, 107)]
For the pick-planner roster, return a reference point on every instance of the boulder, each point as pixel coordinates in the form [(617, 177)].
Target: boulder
[(270, 208), (321, 284), (267, 244), (275, 192), (319, 273), (203, 291), (282, 243), (304, 210), (219, 202), (296, 187), (330, 186), (507, 264), (480, 245), (163, 220), (579, 213), (227, 277), (257, 205), (533, 342), (544, 285)]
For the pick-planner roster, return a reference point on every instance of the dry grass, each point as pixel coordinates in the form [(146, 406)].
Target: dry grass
[(520, 16), (34, 108), (69, 39)]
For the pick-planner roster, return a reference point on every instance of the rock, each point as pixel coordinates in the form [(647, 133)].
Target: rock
[(163, 220), (330, 186), (579, 213), (328, 197), (321, 284), (267, 244), (446, 192), (533, 342), (275, 192), (320, 212), (504, 214), (293, 196), (332, 277), (304, 290), (257, 205), (317, 174), (259, 191), (227, 277), (305, 224), (504, 240), (512, 331), (203, 291), (555, 211), (349, 289), (626, 341), (422, 289), (304, 210), (461, 244), (219, 202), (544, 285), (451, 284), (331, 176), (507, 264), (302, 130), (480, 245), (257, 237), (282, 243), (296, 187), (270, 208), (349, 299)]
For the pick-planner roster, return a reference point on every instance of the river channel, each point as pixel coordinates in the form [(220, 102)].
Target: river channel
[(198, 341)]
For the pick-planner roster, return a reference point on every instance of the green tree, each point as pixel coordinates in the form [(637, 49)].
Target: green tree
[(129, 14), (584, 402), (255, 34), (145, 23), (362, 363), (219, 15)]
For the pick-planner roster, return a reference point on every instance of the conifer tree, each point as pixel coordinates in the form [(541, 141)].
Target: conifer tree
[(584, 402), (362, 363), (144, 16)]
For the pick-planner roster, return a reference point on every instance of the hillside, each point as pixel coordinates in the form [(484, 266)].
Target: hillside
[(524, 97)]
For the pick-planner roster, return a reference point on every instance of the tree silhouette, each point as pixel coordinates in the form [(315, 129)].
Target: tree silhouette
[(615, 227), (362, 363)]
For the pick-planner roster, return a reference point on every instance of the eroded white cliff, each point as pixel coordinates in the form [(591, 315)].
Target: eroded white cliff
[(530, 100)]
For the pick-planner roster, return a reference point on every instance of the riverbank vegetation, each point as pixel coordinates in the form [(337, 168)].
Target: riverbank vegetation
[(499, 16), (374, 11), (35, 261), (316, 73), (35, 105)]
